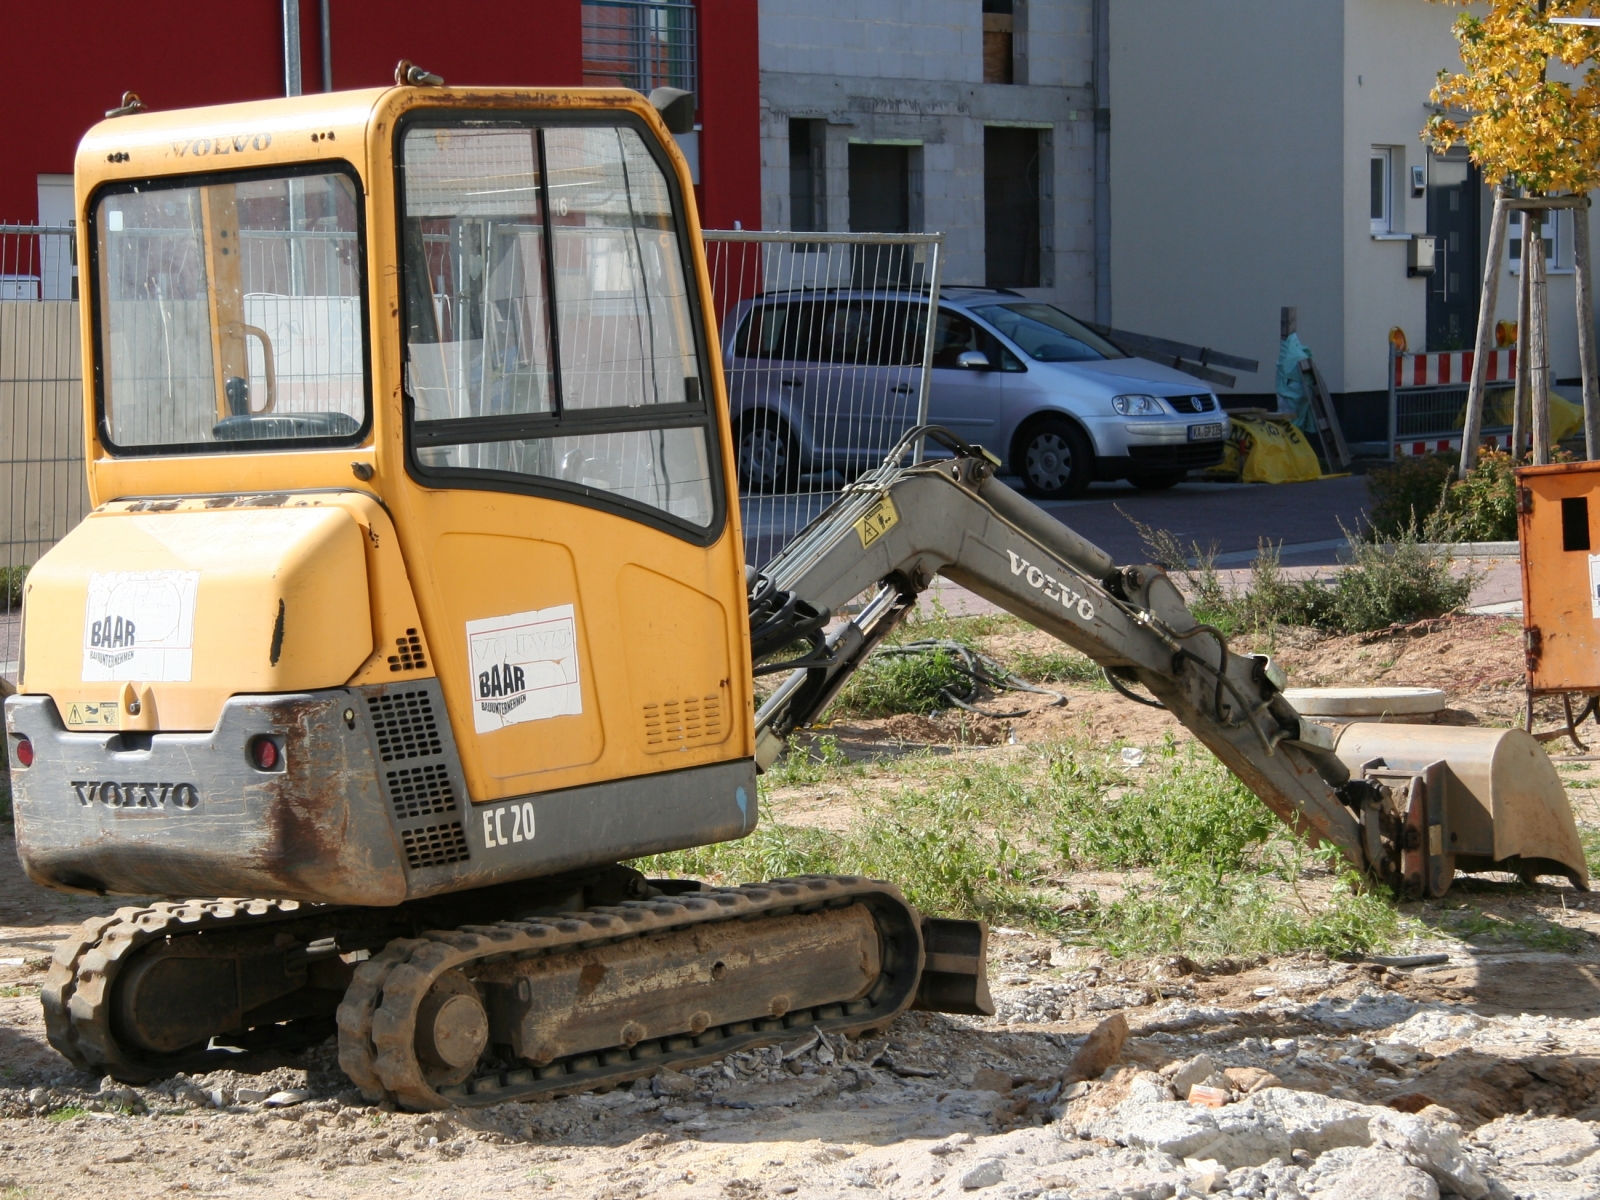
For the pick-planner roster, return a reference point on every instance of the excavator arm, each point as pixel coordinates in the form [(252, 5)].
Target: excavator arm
[(896, 528)]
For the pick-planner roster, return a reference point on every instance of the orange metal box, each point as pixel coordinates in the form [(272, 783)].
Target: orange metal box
[(1557, 508)]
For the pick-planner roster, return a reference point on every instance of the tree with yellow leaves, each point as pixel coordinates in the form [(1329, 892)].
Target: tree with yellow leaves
[(1543, 136), (1516, 122)]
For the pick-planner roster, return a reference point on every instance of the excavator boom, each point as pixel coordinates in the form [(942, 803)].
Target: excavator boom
[(897, 528)]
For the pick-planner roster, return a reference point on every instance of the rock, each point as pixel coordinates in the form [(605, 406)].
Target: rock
[(1436, 1025), (1233, 1136), (986, 1174), (218, 1097), (1433, 1146), (1396, 1055), (668, 1082), (1100, 1049), (1313, 1122), (1073, 1091), (285, 1099), (987, 1079), (1198, 1069), (250, 1095), (38, 1097), (952, 1143), (1377, 1174), (1547, 1142), (1209, 1097), (1411, 1102), (1250, 1079), (1206, 1175), (677, 1115)]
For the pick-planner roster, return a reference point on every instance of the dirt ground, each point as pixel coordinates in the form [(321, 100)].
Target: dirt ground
[(1489, 1028)]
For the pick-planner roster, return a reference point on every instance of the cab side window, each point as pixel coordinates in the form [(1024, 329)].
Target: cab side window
[(550, 335)]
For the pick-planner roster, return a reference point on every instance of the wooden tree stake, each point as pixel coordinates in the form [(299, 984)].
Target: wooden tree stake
[(1472, 428)]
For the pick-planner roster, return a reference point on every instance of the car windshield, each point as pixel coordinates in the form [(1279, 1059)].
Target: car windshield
[(229, 312), (1046, 334)]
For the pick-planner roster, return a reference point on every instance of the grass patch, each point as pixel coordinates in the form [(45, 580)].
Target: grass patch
[(1475, 926), (67, 1113), (900, 683), (799, 766), (990, 837), (1056, 666)]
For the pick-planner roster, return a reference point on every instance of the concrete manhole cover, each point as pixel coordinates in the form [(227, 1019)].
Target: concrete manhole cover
[(1364, 701)]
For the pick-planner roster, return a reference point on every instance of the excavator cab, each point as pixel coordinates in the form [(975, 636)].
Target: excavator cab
[(412, 502)]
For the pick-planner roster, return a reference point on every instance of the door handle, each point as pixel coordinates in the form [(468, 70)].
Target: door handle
[(902, 387), (794, 383)]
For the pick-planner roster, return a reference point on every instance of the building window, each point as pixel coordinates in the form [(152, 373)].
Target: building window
[(999, 38), (807, 196), (1381, 189), (640, 44), (1011, 206), (1550, 233)]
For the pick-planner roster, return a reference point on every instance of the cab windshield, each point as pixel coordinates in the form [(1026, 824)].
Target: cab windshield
[(1046, 334), (229, 312)]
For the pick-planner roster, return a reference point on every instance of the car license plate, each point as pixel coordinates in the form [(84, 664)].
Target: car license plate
[(1200, 433)]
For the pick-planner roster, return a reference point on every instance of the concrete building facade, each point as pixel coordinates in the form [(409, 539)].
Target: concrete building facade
[(970, 117), (1268, 153)]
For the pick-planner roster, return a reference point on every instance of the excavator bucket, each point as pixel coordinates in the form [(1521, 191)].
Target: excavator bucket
[(1471, 800)]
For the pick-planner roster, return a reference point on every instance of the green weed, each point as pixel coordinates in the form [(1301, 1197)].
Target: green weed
[(900, 683), (67, 1113), (801, 766), (11, 581), (1056, 666)]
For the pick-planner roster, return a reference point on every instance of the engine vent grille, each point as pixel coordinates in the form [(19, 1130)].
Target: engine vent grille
[(435, 845), (674, 724), (1191, 404), (404, 725), (421, 791), (408, 654)]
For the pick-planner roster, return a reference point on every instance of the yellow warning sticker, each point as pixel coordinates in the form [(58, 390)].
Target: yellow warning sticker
[(93, 713), (879, 519)]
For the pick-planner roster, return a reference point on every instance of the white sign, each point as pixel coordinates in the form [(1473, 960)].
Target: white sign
[(524, 668), (1594, 586), (139, 625)]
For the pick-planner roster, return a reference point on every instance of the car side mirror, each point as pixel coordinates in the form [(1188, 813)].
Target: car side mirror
[(973, 360)]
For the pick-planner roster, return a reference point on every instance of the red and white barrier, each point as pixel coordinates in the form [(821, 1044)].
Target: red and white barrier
[(1449, 445), (1444, 368)]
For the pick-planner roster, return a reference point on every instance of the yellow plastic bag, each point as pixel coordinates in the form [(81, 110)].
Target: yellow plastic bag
[(1566, 418), (1261, 449)]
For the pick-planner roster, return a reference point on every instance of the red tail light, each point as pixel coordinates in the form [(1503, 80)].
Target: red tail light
[(264, 754), (25, 752)]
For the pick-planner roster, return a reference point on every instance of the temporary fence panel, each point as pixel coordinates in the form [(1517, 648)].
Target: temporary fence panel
[(826, 338), (1428, 400), (42, 493), (827, 345)]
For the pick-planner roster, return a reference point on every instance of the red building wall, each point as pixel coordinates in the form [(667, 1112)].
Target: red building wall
[(70, 62)]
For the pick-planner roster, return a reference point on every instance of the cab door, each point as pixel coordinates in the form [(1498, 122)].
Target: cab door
[(580, 585)]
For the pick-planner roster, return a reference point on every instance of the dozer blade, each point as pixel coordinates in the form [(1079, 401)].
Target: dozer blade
[(1475, 800)]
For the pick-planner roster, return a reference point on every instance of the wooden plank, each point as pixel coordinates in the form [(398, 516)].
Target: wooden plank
[(1163, 348)]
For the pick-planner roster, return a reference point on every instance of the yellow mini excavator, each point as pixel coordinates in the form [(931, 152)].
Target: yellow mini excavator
[(413, 601)]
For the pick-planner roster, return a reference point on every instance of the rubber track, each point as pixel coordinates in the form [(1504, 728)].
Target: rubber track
[(377, 1021), (77, 990)]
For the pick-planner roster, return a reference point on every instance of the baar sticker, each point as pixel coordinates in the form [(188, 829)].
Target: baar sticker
[(139, 625), (524, 668)]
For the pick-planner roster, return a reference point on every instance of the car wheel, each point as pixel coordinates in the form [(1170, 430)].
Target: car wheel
[(1055, 460), (1159, 482), (768, 453)]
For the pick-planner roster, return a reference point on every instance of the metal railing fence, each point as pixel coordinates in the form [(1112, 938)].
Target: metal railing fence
[(42, 488), (827, 344)]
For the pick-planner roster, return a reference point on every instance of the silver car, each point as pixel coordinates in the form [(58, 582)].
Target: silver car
[(827, 381)]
